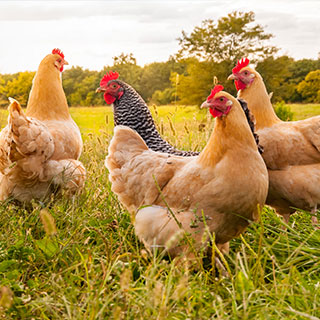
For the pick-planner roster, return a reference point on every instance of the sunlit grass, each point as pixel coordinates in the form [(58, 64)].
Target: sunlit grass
[(303, 111), (94, 267), (97, 119)]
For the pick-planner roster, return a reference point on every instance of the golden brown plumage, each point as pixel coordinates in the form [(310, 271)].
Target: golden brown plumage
[(291, 149), (40, 149), (228, 180)]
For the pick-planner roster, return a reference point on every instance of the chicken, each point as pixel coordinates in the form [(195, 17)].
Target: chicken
[(291, 149), (227, 182), (130, 110), (39, 150)]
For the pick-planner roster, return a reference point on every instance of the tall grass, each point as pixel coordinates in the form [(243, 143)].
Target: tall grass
[(94, 267)]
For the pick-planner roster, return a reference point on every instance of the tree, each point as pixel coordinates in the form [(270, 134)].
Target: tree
[(124, 59), (163, 97), (194, 86), (2, 90), (71, 79), (156, 77), (299, 69), (20, 87), (310, 87), (276, 75), (228, 39), (129, 71)]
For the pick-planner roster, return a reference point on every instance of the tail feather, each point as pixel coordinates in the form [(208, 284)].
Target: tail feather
[(25, 144), (29, 136), (126, 144)]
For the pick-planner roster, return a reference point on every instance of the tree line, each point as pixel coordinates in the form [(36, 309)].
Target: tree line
[(210, 50)]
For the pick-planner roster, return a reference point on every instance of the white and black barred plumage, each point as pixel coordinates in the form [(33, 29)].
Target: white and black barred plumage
[(131, 110)]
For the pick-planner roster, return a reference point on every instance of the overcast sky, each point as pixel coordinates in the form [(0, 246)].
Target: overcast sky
[(90, 33)]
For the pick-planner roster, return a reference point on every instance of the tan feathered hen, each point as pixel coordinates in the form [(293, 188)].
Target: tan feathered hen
[(227, 181), (39, 149), (291, 149)]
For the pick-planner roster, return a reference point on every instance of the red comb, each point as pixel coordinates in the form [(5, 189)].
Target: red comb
[(214, 91), (59, 52), (241, 64), (109, 76)]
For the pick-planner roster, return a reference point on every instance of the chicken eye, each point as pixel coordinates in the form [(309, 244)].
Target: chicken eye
[(221, 99), (114, 86), (59, 60), (246, 73)]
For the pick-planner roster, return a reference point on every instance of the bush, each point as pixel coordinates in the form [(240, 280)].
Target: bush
[(283, 112), (309, 88)]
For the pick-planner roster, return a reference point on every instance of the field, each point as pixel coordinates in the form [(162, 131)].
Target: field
[(94, 267)]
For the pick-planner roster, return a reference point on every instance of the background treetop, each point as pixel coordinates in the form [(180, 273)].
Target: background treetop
[(229, 39)]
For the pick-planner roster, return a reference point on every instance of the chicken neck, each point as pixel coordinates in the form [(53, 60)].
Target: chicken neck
[(259, 104), (47, 100), (231, 134)]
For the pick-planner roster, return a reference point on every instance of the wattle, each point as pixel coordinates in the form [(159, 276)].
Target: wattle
[(240, 85), (109, 99), (218, 113), (215, 113)]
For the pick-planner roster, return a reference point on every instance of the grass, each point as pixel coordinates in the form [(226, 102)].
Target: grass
[(303, 111), (94, 267)]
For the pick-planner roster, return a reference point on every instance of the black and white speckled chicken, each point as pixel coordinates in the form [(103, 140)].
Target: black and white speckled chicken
[(130, 110)]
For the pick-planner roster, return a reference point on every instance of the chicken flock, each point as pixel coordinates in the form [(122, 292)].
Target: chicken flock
[(252, 158)]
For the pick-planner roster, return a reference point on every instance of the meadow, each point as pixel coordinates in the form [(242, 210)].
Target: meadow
[(90, 265)]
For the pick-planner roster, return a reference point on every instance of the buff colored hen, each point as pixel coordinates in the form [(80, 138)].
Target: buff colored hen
[(227, 182), (39, 150), (291, 148)]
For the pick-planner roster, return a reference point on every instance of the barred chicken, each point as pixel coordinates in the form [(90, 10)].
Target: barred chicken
[(130, 110), (227, 182), (291, 149), (39, 149)]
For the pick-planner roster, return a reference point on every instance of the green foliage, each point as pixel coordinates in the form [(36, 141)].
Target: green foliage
[(129, 71), (193, 87), (166, 96), (283, 112), (195, 84), (80, 86), (156, 77), (310, 87), (302, 67), (276, 76), (229, 39), (18, 88)]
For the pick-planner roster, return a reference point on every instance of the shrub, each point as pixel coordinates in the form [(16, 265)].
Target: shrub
[(283, 111)]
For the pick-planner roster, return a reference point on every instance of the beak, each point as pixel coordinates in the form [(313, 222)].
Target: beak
[(232, 77), (205, 105), (99, 90), (65, 62)]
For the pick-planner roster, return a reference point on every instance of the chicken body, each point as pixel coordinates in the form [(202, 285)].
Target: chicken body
[(227, 182), (291, 149), (39, 150)]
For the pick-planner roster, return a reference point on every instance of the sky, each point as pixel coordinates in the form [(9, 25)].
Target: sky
[(91, 33)]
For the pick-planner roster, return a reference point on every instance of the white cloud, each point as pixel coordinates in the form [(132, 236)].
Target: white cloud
[(92, 32)]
